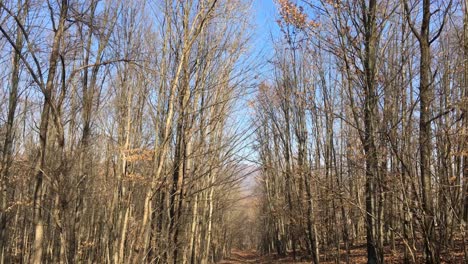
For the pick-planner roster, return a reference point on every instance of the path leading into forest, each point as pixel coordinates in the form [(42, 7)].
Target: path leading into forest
[(243, 257)]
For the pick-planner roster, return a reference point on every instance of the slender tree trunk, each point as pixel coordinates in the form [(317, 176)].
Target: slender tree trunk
[(464, 221), (374, 253), (38, 219), (7, 152), (425, 141)]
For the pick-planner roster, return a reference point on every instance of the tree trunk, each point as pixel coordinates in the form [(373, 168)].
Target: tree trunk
[(43, 131), (7, 153)]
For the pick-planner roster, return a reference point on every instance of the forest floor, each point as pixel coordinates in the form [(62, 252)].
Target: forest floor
[(357, 255), (242, 257)]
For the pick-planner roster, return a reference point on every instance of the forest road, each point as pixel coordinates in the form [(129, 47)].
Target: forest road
[(241, 257), (251, 256)]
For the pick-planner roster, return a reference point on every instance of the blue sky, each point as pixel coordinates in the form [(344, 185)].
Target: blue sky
[(264, 16), (265, 24), (264, 33)]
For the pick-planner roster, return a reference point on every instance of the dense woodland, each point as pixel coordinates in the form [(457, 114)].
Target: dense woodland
[(123, 132)]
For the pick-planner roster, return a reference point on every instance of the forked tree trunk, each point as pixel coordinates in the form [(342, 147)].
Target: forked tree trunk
[(38, 219)]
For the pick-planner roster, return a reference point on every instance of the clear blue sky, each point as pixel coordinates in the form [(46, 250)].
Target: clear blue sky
[(264, 31), (265, 14), (265, 25)]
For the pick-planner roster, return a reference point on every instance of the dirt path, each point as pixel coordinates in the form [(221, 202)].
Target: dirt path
[(243, 257)]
